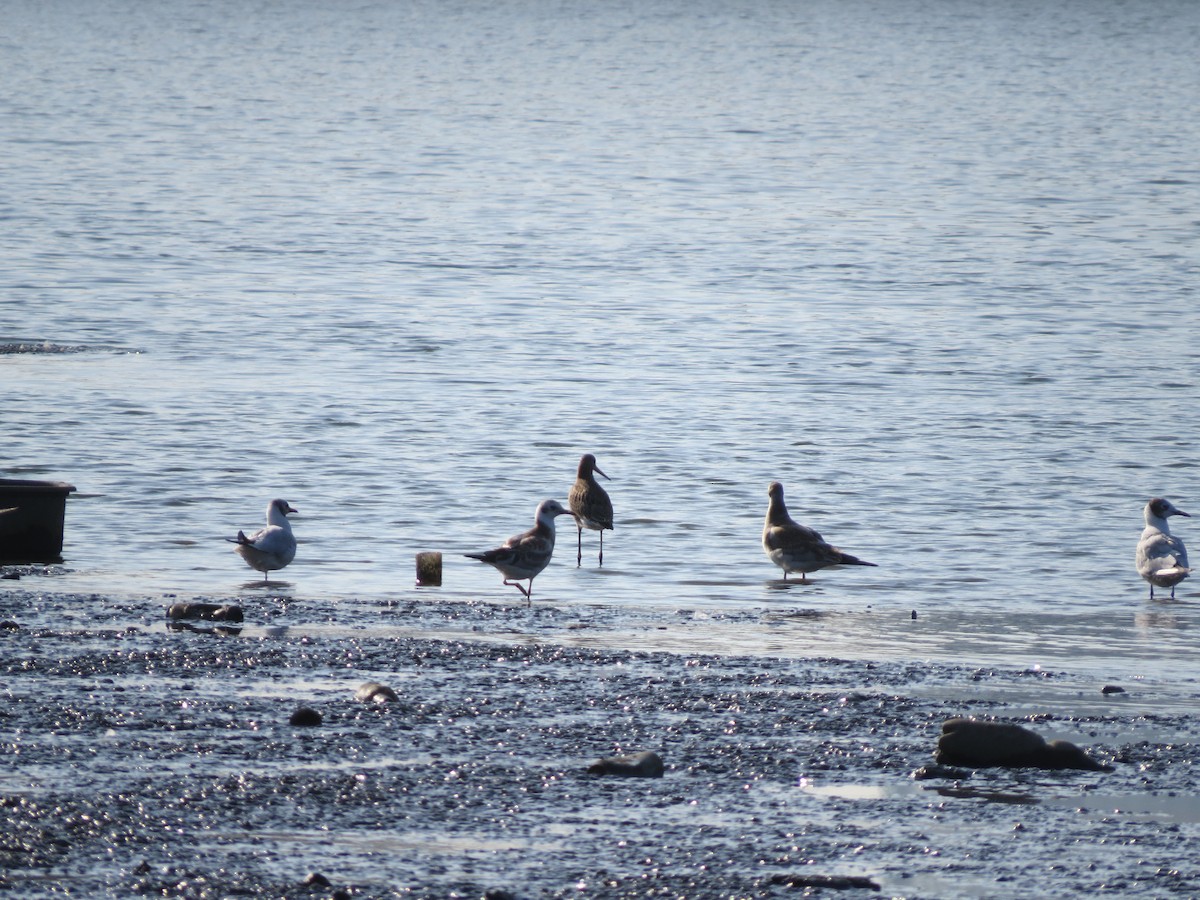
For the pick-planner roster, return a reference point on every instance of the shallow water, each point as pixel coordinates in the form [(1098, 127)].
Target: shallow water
[(931, 267)]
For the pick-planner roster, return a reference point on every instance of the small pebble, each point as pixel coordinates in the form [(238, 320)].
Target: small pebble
[(210, 611), (374, 692), (926, 772), (646, 764)]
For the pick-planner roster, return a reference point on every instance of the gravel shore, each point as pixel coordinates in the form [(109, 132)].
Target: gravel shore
[(142, 760)]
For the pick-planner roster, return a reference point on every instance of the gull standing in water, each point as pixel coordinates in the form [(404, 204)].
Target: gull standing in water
[(589, 505), (1161, 557), (274, 546), (795, 547), (525, 555)]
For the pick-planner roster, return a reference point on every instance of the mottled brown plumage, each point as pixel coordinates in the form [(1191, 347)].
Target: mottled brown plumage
[(590, 505), (795, 547), (525, 555)]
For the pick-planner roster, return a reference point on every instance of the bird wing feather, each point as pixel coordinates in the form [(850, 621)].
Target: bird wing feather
[(1160, 551)]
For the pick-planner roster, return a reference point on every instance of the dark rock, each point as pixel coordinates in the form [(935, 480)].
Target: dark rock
[(8, 625), (646, 764), (499, 894), (926, 772), (969, 742), (374, 692), (1112, 689), (316, 879), (210, 611), (831, 882), (11, 576), (306, 717)]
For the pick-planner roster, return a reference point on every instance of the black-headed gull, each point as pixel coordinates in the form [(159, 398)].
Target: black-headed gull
[(795, 547), (589, 505), (525, 555), (1161, 557), (274, 546)]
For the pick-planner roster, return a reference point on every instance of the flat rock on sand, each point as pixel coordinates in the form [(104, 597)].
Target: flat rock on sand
[(212, 612), (646, 764), (970, 742)]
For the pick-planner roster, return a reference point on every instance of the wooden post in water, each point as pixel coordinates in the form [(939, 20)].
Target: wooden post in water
[(429, 568)]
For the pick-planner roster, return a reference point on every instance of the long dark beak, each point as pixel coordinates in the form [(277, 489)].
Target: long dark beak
[(596, 469), (1178, 512)]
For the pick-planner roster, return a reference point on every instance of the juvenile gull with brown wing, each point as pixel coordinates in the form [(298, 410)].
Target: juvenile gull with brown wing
[(795, 547), (524, 555)]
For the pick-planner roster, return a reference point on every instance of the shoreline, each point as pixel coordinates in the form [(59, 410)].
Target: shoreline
[(141, 758)]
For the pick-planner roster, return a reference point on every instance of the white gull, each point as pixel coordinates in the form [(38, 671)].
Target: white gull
[(1161, 557), (272, 547)]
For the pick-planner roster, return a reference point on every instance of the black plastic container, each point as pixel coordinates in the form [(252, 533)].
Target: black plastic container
[(31, 520)]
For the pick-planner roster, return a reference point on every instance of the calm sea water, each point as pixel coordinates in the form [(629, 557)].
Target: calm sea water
[(933, 265)]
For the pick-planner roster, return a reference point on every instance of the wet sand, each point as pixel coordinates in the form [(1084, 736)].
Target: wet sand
[(142, 760)]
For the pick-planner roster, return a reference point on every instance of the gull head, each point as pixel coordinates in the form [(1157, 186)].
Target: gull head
[(282, 507), (549, 510), (1160, 507), (277, 512)]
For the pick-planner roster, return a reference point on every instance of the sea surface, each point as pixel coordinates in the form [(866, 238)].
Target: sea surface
[(932, 264)]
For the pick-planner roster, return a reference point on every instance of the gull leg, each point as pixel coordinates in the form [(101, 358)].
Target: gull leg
[(602, 546), (578, 546), (520, 587)]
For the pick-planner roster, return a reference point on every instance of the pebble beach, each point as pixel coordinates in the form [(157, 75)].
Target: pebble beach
[(148, 760)]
